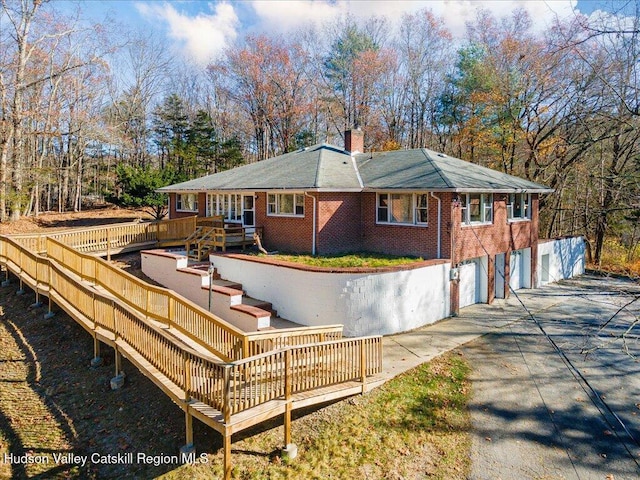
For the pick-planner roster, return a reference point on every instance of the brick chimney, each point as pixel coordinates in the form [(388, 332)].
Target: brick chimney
[(354, 141)]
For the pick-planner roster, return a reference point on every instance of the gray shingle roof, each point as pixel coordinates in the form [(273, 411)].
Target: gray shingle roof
[(329, 168), (319, 167), (421, 169)]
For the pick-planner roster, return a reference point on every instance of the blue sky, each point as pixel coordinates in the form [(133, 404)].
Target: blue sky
[(201, 30)]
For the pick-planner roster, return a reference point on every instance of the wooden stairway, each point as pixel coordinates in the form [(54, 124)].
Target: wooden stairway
[(197, 245)]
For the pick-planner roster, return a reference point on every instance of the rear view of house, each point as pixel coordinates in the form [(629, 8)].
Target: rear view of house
[(325, 199)]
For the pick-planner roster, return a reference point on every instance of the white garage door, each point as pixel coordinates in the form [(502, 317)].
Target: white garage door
[(469, 291), (515, 270), (520, 268)]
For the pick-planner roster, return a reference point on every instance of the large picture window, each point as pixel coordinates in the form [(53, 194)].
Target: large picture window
[(518, 207), (187, 202), (229, 205), (476, 208), (285, 204), (234, 207), (402, 208)]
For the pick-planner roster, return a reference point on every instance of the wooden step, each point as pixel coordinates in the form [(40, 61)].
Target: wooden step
[(260, 304)]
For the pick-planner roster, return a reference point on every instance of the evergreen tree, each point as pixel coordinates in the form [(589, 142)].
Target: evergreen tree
[(136, 187)]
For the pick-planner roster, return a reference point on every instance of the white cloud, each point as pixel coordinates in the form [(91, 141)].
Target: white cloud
[(203, 36), (284, 16)]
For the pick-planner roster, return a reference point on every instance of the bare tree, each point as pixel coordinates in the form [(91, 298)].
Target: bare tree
[(141, 69)]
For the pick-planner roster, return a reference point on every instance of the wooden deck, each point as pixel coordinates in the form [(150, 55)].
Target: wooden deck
[(226, 378)]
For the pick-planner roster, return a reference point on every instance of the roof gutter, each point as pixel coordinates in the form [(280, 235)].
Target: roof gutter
[(460, 190), (439, 222)]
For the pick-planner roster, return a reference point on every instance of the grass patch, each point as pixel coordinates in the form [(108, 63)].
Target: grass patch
[(415, 426), (348, 260)]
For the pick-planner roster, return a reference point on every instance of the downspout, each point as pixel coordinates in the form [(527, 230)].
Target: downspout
[(313, 238), (439, 222)]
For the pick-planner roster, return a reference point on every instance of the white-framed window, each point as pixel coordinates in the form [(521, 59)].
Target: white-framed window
[(229, 205), (519, 206), (402, 208), (187, 202), (476, 208), (285, 204)]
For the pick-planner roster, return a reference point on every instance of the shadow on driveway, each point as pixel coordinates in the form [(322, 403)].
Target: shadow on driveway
[(534, 415)]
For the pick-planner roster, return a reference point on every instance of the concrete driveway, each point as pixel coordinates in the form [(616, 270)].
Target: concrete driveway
[(539, 414)]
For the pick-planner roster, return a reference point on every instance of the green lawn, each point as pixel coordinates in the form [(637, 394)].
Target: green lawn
[(350, 260), (415, 426)]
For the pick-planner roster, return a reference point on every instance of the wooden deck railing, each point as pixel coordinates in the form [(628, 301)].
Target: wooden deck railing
[(112, 237), (175, 230), (281, 373), (230, 388), (212, 391), (157, 303), (265, 341), (103, 239)]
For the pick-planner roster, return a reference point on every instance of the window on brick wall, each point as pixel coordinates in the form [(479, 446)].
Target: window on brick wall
[(519, 206), (477, 208), (285, 204), (229, 205), (402, 208), (187, 202)]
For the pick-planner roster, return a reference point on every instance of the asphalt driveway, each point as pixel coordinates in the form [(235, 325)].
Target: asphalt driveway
[(569, 411)]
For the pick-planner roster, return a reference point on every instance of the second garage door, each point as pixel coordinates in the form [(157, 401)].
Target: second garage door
[(520, 269), (469, 291)]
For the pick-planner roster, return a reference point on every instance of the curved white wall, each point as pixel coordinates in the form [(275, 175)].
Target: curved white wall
[(365, 303)]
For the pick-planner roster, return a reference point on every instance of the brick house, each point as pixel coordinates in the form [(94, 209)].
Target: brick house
[(325, 199)]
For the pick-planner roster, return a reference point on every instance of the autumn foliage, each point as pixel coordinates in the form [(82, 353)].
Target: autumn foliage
[(559, 107)]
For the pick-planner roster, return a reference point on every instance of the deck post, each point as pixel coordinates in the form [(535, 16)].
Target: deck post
[(187, 376), (37, 303), (226, 409), (96, 361), (21, 289), (171, 311), (227, 455), (118, 361), (108, 245), (290, 450), (287, 396), (226, 413), (363, 365), (188, 422), (50, 312), (117, 382)]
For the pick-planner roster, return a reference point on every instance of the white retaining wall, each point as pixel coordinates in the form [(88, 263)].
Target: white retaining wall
[(365, 303), (566, 259)]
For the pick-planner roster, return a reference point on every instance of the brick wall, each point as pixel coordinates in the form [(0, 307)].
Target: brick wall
[(417, 240), (347, 222), (501, 236), (339, 224), (285, 234), (497, 237), (202, 206)]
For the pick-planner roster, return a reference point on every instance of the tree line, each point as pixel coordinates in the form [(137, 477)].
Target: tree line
[(82, 106)]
